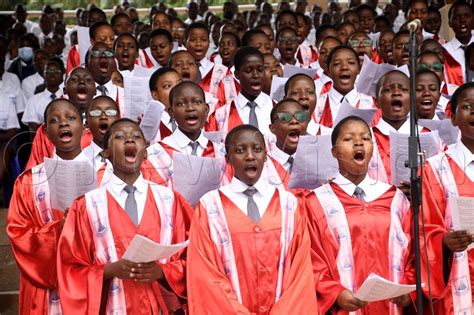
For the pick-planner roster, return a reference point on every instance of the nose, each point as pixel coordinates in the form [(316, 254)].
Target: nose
[(250, 156)]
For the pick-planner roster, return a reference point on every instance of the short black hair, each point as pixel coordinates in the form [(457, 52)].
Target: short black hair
[(236, 38), (48, 107), (283, 12), (243, 53), (455, 96), (236, 130), (31, 38), (100, 98), (123, 35), (337, 130), (160, 32), (456, 4), (321, 29), (179, 20), (58, 61), (294, 77), (430, 53), (428, 71), (285, 29), (157, 75), (182, 84), (432, 9), (93, 29), (363, 7), (196, 25), (108, 133), (382, 18), (249, 34), (341, 47), (342, 24), (400, 34), (117, 16), (95, 9), (174, 54), (277, 107), (381, 80)]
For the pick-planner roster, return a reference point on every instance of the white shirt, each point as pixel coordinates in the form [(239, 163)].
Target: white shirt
[(385, 127), (189, 21), (463, 158), (205, 67), (80, 157), (34, 110), (116, 188), (455, 50), (32, 27), (28, 86), (372, 188), (111, 90), (155, 63), (92, 152), (9, 89), (399, 21), (281, 157), (263, 109), (42, 37), (335, 100), (180, 142), (319, 83), (235, 192)]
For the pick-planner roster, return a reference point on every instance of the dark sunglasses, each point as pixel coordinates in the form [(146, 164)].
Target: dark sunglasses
[(434, 67), (100, 53), (300, 116)]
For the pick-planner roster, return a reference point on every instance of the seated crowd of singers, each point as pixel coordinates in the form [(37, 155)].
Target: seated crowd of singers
[(256, 246)]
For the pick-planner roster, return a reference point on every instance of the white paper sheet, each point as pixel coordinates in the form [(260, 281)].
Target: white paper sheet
[(142, 72), (290, 70), (314, 164), (62, 189), (151, 119), (462, 214), (399, 153), (376, 288), (136, 96), (143, 250), (347, 110), (447, 132), (277, 90), (369, 75), (194, 175), (215, 136), (83, 41)]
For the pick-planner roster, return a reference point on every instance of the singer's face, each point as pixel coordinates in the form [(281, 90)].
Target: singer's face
[(400, 54), (464, 116), (394, 97), (418, 10)]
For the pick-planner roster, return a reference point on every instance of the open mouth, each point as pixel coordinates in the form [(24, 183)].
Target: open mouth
[(463, 28), (293, 136), (251, 170), (65, 135), (103, 127), (359, 156), (81, 92), (256, 86), (125, 57), (130, 154), (198, 51), (426, 103), (405, 58), (225, 53), (186, 75), (345, 78), (104, 65), (397, 105), (192, 119)]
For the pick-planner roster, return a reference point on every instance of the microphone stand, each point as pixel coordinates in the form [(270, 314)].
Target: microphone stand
[(413, 164)]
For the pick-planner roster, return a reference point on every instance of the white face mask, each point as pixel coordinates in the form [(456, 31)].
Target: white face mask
[(25, 53)]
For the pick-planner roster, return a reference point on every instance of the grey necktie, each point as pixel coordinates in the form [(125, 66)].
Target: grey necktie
[(194, 146), (102, 89), (252, 115), (290, 162), (252, 209), (359, 193), (173, 124), (53, 96), (131, 203)]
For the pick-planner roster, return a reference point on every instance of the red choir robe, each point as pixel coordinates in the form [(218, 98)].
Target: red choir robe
[(34, 245), (43, 147), (73, 59), (376, 57), (309, 51), (209, 289), (435, 205), (80, 274), (452, 70), (369, 224), (231, 122), (222, 90), (144, 59)]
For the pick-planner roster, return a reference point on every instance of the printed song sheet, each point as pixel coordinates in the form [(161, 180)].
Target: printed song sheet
[(462, 214), (142, 250), (376, 288), (150, 123)]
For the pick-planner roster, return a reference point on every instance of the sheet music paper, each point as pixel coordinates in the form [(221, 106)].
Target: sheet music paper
[(369, 75), (194, 175), (399, 153), (84, 42), (376, 288), (277, 90), (151, 119), (62, 189), (290, 70), (447, 132), (347, 110), (314, 164), (215, 136), (462, 214), (143, 250), (136, 96)]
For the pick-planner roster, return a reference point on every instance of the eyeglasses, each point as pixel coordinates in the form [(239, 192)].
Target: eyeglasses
[(288, 40), (434, 67), (357, 42), (100, 53), (300, 116), (52, 72), (107, 112), (180, 29)]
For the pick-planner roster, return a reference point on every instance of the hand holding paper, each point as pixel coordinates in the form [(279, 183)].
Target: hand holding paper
[(462, 214), (142, 250), (376, 288)]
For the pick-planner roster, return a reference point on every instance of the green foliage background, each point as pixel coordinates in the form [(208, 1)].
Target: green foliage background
[(105, 4)]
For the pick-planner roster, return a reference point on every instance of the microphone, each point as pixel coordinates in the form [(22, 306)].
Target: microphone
[(414, 25)]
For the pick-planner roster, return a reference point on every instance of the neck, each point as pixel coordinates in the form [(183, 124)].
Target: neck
[(291, 61), (53, 89), (102, 81), (356, 179), (229, 64), (127, 178), (248, 183), (71, 155), (99, 143), (129, 68), (469, 143), (396, 123), (192, 135), (343, 93), (464, 39), (248, 96), (285, 149)]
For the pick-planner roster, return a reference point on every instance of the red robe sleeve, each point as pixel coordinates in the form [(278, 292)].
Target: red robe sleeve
[(80, 275), (73, 59), (323, 255), (33, 243), (40, 148)]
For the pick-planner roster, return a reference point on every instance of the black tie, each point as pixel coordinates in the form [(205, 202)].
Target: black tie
[(359, 193), (53, 96), (102, 89), (290, 163)]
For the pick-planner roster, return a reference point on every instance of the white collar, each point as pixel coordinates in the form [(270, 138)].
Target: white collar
[(116, 185), (372, 188), (261, 186), (464, 156), (385, 127), (456, 44), (241, 101), (95, 148), (183, 141), (352, 97), (80, 157), (205, 62), (279, 155)]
